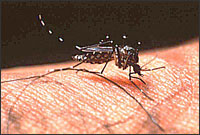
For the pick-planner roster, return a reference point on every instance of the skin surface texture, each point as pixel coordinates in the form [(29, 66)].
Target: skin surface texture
[(71, 102)]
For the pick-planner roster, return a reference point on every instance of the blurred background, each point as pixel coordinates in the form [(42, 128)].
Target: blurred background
[(155, 24)]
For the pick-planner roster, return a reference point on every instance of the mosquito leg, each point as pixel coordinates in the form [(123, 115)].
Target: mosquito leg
[(106, 63), (39, 76), (141, 91), (117, 55), (139, 79), (136, 85), (104, 67), (36, 76), (19, 79), (77, 64), (91, 71)]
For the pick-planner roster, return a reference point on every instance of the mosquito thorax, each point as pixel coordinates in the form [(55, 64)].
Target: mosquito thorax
[(130, 52)]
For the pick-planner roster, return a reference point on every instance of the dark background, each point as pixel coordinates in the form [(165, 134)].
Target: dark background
[(155, 24)]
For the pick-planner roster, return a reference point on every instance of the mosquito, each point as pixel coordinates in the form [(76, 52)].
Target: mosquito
[(104, 52)]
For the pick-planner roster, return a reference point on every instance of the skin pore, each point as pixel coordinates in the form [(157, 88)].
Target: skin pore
[(70, 102)]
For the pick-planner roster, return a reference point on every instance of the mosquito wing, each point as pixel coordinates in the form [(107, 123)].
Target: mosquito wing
[(97, 47)]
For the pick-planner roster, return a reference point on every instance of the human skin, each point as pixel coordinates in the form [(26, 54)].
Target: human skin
[(71, 102)]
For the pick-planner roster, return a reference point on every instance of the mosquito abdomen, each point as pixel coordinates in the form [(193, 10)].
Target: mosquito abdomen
[(94, 58)]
